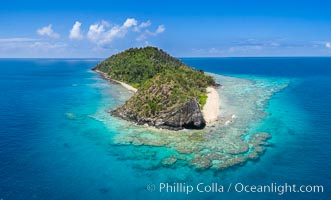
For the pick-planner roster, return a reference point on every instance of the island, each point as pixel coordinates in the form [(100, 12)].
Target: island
[(168, 94)]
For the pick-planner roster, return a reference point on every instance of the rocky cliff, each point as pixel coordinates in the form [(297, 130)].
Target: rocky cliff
[(187, 116)]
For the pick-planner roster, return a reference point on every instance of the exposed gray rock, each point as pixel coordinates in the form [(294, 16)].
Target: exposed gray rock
[(187, 116)]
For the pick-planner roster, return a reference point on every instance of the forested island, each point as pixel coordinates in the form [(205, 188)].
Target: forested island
[(169, 93)]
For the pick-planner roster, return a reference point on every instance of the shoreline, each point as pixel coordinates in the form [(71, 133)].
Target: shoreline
[(127, 86), (210, 110)]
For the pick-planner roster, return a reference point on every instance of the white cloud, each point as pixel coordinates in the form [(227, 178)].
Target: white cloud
[(4, 40), (214, 50), (160, 29), (28, 46), (47, 45), (145, 24), (130, 22), (99, 35), (105, 23), (274, 44), (75, 32), (323, 44), (147, 33), (48, 31), (328, 45), (142, 26), (15, 43), (246, 48), (95, 32)]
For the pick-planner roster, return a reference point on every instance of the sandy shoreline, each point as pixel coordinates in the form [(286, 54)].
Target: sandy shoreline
[(127, 86), (211, 108)]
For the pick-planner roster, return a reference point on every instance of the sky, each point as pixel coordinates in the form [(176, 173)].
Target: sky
[(98, 29)]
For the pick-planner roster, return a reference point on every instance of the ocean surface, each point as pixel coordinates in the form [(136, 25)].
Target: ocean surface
[(57, 140)]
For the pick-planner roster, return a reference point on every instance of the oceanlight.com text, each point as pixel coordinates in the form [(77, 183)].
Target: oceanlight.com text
[(279, 189)]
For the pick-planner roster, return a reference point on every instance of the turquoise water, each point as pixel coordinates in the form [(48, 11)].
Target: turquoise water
[(57, 140)]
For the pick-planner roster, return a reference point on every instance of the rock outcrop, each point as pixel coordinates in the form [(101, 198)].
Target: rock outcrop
[(187, 116)]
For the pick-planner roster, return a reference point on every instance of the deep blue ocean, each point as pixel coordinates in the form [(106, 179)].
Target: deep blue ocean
[(52, 145)]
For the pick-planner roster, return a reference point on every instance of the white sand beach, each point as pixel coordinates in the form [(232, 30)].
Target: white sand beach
[(127, 86), (211, 108)]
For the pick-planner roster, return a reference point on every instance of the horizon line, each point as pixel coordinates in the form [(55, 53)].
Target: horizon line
[(179, 57)]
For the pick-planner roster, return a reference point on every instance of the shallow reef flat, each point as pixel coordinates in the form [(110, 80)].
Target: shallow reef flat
[(229, 141)]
